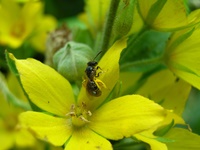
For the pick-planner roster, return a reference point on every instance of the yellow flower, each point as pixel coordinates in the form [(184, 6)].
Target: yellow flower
[(21, 22), (85, 122), (164, 15), (175, 139), (191, 140), (156, 136), (11, 134), (162, 86), (95, 14), (39, 35), (182, 55)]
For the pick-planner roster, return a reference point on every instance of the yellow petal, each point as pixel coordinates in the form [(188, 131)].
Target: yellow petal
[(171, 116), (95, 14), (7, 140), (8, 12), (31, 15), (47, 24), (44, 86), (183, 59), (86, 139), (166, 123), (52, 129), (183, 140), (109, 76), (126, 116), (129, 80), (97, 10), (138, 22), (165, 19), (153, 141), (164, 88), (8, 7), (189, 77), (37, 24), (19, 22), (24, 138)]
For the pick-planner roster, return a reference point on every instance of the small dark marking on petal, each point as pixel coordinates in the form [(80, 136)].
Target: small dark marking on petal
[(98, 147), (177, 79)]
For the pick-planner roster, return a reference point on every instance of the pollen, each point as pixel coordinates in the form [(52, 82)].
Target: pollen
[(79, 115)]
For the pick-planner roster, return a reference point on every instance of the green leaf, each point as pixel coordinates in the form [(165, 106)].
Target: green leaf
[(75, 22), (11, 64), (129, 144), (164, 140), (163, 130), (192, 107), (151, 44), (143, 65), (83, 36)]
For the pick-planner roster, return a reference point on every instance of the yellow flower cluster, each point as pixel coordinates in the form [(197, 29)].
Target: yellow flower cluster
[(135, 91)]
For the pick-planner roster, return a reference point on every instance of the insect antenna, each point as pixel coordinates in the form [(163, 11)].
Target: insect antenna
[(97, 55)]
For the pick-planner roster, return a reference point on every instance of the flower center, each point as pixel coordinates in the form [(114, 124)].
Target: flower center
[(79, 115), (18, 30)]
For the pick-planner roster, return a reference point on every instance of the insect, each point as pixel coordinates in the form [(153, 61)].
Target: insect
[(93, 84), (92, 88), (92, 68)]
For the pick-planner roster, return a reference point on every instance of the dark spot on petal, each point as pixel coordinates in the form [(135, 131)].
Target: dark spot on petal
[(177, 79), (98, 147)]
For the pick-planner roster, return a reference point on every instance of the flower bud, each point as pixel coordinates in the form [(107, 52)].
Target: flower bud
[(71, 60), (124, 20)]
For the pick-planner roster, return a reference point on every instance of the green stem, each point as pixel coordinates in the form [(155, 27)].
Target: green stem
[(109, 24), (155, 60)]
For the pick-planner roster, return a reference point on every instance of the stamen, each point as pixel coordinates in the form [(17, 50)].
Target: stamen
[(83, 119), (79, 115), (89, 113), (72, 111), (71, 114)]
